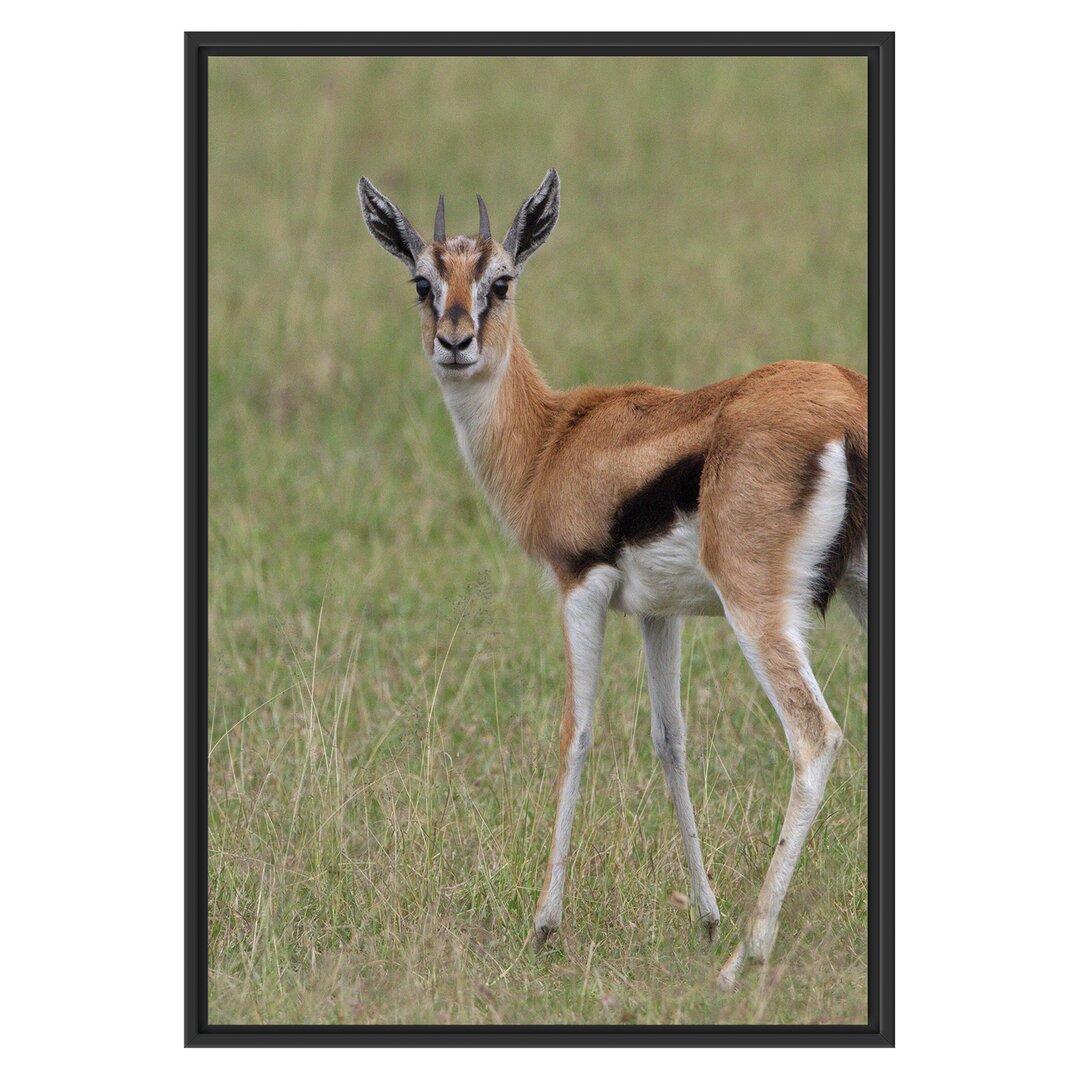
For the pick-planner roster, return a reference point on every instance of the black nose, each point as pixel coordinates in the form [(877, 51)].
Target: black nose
[(455, 346)]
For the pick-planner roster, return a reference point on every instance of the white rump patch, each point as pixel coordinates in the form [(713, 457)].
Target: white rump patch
[(824, 518)]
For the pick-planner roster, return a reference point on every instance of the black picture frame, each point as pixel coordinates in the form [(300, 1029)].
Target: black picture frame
[(878, 48)]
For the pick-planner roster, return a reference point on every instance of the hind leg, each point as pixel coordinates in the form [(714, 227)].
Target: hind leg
[(768, 524), (854, 587), (779, 661)]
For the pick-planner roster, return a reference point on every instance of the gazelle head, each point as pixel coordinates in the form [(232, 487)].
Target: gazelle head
[(465, 284)]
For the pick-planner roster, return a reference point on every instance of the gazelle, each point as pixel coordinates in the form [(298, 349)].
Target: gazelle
[(746, 498)]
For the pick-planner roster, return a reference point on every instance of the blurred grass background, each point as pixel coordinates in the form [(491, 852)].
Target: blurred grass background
[(385, 673)]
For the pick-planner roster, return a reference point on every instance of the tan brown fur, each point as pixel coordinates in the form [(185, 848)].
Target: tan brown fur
[(751, 502), (556, 465), (771, 464), (460, 262)]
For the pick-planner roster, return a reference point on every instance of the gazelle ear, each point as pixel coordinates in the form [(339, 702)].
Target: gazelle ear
[(534, 220), (388, 224)]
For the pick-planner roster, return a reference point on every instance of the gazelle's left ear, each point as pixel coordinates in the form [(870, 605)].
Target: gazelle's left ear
[(388, 224), (534, 220)]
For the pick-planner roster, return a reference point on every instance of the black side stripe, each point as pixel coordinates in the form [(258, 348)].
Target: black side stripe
[(647, 514)]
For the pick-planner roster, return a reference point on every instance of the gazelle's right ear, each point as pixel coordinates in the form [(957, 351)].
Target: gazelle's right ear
[(388, 224)]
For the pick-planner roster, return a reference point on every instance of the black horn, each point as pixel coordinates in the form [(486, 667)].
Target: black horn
[(440, 222), (485, 224)]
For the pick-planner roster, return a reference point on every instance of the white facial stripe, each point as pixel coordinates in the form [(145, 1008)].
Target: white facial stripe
[(478, 304), (481, 296), (480, 290), (425, 268), (493, 273)]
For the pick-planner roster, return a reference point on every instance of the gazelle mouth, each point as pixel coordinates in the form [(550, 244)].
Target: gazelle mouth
[(457, 363)]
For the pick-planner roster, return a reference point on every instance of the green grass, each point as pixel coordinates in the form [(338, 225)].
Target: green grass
[(386, 674)]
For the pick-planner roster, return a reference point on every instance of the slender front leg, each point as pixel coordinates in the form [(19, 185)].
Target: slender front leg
[(663, 639), (584, 610)]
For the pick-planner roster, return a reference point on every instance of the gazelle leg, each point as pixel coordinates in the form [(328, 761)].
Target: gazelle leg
[(780, 663), (767, 568), (662, 639), (854, 587), (584, 612)]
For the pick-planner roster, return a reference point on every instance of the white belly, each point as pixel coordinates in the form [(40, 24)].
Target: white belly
[(664, 577)]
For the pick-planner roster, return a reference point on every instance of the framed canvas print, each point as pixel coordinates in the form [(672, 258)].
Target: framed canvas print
[(539, 539)]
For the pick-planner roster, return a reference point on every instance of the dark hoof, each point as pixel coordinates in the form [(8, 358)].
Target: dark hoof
[(541, 936)]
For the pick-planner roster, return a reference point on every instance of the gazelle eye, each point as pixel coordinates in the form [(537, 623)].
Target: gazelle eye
[(500, 287), (423, 287)]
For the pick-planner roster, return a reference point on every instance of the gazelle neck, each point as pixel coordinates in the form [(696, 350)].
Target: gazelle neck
[(501, 423)]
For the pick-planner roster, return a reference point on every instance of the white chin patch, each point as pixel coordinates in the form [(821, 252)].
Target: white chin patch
[(464, 365)]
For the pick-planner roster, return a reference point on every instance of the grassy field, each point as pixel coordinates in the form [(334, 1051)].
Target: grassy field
[(385, 672)]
